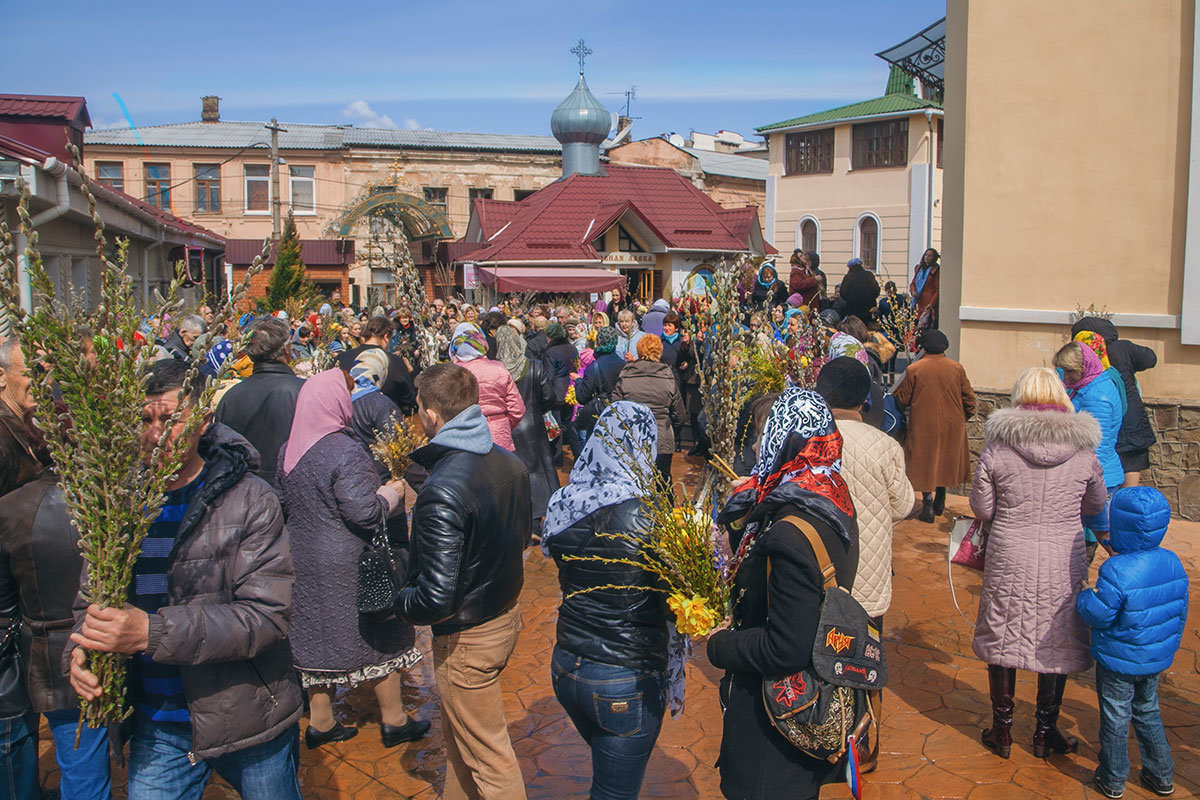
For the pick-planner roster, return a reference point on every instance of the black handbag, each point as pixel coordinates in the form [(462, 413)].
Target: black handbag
[(13, 697), (378, 581)]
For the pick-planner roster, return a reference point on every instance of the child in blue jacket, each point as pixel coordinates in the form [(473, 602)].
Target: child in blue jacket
[(1137, 612)]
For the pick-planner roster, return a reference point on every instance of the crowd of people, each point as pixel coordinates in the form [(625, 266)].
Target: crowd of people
[(243, 616)]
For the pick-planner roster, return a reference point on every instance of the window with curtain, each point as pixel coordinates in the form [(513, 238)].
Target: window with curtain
[(303, 186), (808, 236), (111, 174), (158, 185), (208, 187), (258, 188)]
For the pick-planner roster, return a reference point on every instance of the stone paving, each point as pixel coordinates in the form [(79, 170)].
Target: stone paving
[(932, 710)]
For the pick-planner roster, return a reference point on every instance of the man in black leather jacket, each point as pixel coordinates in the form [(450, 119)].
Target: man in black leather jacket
[(465, 574)]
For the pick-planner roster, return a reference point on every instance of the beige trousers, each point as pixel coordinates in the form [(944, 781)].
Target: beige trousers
[(480, 762)]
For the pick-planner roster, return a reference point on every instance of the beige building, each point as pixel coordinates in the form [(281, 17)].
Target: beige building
[(1097, 204), (334, 179), (859, 181)]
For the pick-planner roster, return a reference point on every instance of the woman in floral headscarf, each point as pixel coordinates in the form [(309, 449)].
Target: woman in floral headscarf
[(610, 660), (499, 398), (798, 473)]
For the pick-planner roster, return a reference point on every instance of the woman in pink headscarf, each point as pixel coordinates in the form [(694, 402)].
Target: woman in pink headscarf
[(333, 504)]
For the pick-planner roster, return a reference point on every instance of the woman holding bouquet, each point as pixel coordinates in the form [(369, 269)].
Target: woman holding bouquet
[(798, 473), (610, 660)]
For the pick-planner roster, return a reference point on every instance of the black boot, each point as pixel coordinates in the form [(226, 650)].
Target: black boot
[(926, 513), (939, 501), (1047, 738), (1002, 683)]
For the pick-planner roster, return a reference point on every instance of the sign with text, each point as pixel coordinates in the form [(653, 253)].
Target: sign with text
[(630, 259)]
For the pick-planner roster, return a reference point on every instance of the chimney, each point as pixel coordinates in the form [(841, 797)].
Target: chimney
[(210, 110), (623, 122)]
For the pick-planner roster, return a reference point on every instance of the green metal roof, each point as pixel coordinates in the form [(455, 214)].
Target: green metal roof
[(888, 104)]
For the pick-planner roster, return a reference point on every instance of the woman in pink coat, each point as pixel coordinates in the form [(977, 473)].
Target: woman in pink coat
[(1037, 474), (499, 398)]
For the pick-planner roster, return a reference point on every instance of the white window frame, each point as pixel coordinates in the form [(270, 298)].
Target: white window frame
[(246, 191), (878, 239), (291, 183), (798, 237)]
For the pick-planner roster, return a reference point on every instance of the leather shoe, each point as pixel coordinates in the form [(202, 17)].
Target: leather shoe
[(338, 733), (926, 513), (393, 735)]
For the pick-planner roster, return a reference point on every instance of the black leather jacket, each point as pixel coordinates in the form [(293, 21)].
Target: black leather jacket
[(261, 408), (624, 627), (469, 527)]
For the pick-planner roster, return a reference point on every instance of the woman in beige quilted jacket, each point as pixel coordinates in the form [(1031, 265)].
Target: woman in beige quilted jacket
[(1037, 474)]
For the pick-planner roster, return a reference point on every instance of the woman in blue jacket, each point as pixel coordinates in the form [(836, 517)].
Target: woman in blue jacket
[(1137, 613), (1091, 391)]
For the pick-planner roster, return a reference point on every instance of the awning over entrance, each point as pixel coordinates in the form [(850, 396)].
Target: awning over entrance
[(549, 279)]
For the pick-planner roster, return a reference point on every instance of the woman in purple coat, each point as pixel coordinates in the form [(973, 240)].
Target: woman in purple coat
[(1037, 474), (333, 504)]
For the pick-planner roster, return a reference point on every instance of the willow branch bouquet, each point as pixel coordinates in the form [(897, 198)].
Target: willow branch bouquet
[(94, 427), (681, 549), (393, 446)]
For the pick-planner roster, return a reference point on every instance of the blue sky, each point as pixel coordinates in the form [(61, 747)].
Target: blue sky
[(484, 66)]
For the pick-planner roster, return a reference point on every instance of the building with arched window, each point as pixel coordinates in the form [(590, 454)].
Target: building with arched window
[(860, 181)]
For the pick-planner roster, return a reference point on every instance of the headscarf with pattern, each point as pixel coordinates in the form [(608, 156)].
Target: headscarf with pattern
[(468, 343), (1096, 342), (604, 474), (800, 464), (606, 341), (510, 351), (369, 372)]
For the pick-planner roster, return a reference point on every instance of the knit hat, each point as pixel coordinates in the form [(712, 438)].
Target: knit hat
[(935, 342), (606, 341), (650, 347), (854, 262), (555, 333), (795, 300)]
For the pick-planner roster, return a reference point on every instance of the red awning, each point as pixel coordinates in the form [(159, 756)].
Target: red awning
[(549, 279)]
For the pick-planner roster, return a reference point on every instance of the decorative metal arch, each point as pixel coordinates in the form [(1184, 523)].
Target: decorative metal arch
[(922, 55), (421, 219)]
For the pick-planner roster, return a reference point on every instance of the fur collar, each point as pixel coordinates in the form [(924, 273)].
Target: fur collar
[(1017, 426)]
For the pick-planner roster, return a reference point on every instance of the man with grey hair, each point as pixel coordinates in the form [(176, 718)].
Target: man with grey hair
[(179, 343), (261, 407), (22, 455)]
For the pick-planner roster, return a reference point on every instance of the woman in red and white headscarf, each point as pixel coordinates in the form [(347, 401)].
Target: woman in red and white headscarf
[(798, 474)]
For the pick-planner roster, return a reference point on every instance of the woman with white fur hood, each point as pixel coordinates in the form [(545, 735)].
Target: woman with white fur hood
[(1037, 475)]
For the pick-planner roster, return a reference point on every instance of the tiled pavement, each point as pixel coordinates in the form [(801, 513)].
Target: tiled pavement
[(933, 708)]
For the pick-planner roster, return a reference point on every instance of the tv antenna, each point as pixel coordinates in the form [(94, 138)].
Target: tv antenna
[(630, 96)]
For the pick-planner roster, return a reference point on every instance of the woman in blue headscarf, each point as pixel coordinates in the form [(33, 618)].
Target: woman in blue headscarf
[(611, 654), (768, 289)]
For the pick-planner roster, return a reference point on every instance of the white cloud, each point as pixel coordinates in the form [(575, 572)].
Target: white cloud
[(412, 124), (368, 117)]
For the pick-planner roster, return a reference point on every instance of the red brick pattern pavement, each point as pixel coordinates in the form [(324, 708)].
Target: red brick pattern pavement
[(933, 709)]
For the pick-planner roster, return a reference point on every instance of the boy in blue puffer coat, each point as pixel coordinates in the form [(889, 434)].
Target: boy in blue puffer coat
[(1137, 612)]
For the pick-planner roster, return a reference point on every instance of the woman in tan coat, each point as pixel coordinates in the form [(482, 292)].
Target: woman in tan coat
[(939, 397)]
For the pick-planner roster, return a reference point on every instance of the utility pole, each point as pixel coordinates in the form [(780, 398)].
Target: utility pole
[(275, 131)]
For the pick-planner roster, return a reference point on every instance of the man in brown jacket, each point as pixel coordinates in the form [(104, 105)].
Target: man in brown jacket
[(212, 685)]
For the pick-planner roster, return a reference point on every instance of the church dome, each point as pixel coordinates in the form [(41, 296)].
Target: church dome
[(581, 117)]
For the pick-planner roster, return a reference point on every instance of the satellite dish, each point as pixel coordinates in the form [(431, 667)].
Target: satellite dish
[(676, 140)]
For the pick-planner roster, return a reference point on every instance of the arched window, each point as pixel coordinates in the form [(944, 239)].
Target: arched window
[(867, 240), (808, 234), (699, 281)]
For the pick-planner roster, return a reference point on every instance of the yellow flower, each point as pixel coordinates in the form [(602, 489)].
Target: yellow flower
[(693, 617), (570, 398)]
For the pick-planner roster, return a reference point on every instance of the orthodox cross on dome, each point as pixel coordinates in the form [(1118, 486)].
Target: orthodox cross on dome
[(582, 51)]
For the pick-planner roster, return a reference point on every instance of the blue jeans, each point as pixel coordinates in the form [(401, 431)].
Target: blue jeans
[(1095, 524), (1122, 698), (618, 711), (18, 758), (159, 768), (84, 771)]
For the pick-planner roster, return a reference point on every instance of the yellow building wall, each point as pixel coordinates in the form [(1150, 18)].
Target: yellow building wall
[(1071, 173), (838, 198)]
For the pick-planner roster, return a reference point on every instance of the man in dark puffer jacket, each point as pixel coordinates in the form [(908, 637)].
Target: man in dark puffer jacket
[(213, 685)]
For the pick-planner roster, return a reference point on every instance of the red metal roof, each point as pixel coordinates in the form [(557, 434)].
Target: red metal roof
[(494, 214), (541, 279), (552, 224), (315, 252), (42, 105), (23, 150), (165, 218)]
